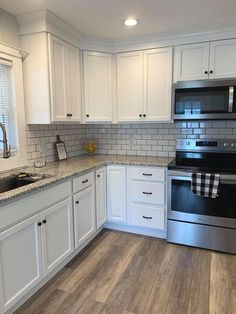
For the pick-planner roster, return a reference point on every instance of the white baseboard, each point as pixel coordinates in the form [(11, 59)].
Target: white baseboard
[(135, 229)]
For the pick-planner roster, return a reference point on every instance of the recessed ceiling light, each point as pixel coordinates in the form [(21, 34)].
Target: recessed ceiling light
[(131, 21)]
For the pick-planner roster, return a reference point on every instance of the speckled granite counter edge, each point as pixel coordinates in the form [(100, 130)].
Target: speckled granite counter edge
[(54, 177)]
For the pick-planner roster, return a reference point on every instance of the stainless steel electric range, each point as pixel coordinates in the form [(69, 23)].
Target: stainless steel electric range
[(195, 220)]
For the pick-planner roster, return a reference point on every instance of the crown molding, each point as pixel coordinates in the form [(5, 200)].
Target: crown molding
[(46, 21)]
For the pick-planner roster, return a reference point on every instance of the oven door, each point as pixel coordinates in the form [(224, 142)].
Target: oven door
[(184, 205)]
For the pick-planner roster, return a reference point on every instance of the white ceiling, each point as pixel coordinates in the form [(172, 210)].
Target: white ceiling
[(103, 18)]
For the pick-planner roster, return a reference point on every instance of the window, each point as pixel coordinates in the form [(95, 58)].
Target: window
[(8, 104), (12, 113)]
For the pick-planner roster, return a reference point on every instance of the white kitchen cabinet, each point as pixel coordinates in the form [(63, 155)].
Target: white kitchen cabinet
[(84, 215), (211, 60), (97, 86), (191, 62), (101, 208), (129, 83), (146, 197), (57, 234), (20, 261), (222, 59), (116, 194), (144, 80), (51, 80), (157, 84)]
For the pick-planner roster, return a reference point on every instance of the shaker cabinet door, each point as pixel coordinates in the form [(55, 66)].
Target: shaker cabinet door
[(97, 87), (20, 261), (129, 86), (191, 62)]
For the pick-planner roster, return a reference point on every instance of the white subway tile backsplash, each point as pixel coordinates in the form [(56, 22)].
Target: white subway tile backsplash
[(144, 139)]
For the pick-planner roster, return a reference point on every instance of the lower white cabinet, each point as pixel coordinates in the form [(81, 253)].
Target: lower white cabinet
[(84, 215), (32, 249), (116, 194), (21, 265), (57, 234), (101, 195)]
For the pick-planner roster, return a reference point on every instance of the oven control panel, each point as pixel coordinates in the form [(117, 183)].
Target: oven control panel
[(206, 145)]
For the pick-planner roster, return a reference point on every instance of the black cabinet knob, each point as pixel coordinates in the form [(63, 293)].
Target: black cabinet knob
[(206, 72), (140, 115), (211, 72), (39, 224), (98, 176), (77, 202), (87, 115), (144, 115), (67, 114), (44, 221)]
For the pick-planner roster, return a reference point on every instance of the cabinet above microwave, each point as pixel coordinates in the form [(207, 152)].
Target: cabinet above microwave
[(215, 99)]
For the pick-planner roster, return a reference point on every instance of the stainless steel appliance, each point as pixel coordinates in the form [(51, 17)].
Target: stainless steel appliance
[(195, 220), (212, 99)]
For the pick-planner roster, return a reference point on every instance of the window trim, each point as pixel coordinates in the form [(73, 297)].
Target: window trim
[(20, 159)]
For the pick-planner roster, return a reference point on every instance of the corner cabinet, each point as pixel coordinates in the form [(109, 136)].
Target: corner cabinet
[(52, 80), (116, 194), (209, 60), (97, 75), (144, 80)]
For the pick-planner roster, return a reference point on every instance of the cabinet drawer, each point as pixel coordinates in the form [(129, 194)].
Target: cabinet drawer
[(83, 182), (146, 173), (147, 192), (147, 217)]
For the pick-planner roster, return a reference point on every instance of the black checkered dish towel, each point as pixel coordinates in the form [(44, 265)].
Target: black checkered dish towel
[(205, 184)]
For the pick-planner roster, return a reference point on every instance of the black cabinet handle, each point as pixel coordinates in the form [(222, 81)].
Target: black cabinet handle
[(85, 181), (87, 115), (206, 72), (44, 221), (77, 202), (140, 115), (147, 174), (147, 193), (39, 224), (211, 72), (146, 217), (144, 115)]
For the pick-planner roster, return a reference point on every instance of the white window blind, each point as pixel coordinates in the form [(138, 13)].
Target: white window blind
[(8, 104)]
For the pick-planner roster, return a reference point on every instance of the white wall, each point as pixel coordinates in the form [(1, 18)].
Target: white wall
[(9, 31)]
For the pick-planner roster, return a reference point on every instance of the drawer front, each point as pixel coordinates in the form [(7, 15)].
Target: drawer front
[(147, 217), (147, 192), (83, 182), (146, 173)]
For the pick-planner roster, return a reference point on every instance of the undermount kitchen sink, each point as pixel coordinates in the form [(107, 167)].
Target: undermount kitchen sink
[(15, 181)]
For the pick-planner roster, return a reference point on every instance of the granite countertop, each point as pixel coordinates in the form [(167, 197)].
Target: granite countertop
[(60, 170)]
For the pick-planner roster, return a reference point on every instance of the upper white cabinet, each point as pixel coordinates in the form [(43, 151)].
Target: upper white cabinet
[(101, 196), (144, 82), (97, 86), (191, 62), (51, 79), (129, 86), (157, 84), (116, 194), (205, 60), (223, 59)]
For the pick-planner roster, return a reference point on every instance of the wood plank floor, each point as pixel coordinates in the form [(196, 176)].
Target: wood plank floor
[(126, 273)]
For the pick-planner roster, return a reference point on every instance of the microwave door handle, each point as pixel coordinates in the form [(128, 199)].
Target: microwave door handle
[(231, 99)]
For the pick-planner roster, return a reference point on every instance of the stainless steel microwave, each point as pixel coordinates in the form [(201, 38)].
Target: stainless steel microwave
[(212, 99)]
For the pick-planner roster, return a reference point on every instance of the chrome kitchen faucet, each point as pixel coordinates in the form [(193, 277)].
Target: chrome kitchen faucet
[(6, 148)]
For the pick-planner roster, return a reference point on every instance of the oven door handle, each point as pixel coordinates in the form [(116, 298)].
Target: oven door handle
[(189, 178), (231, 99)]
